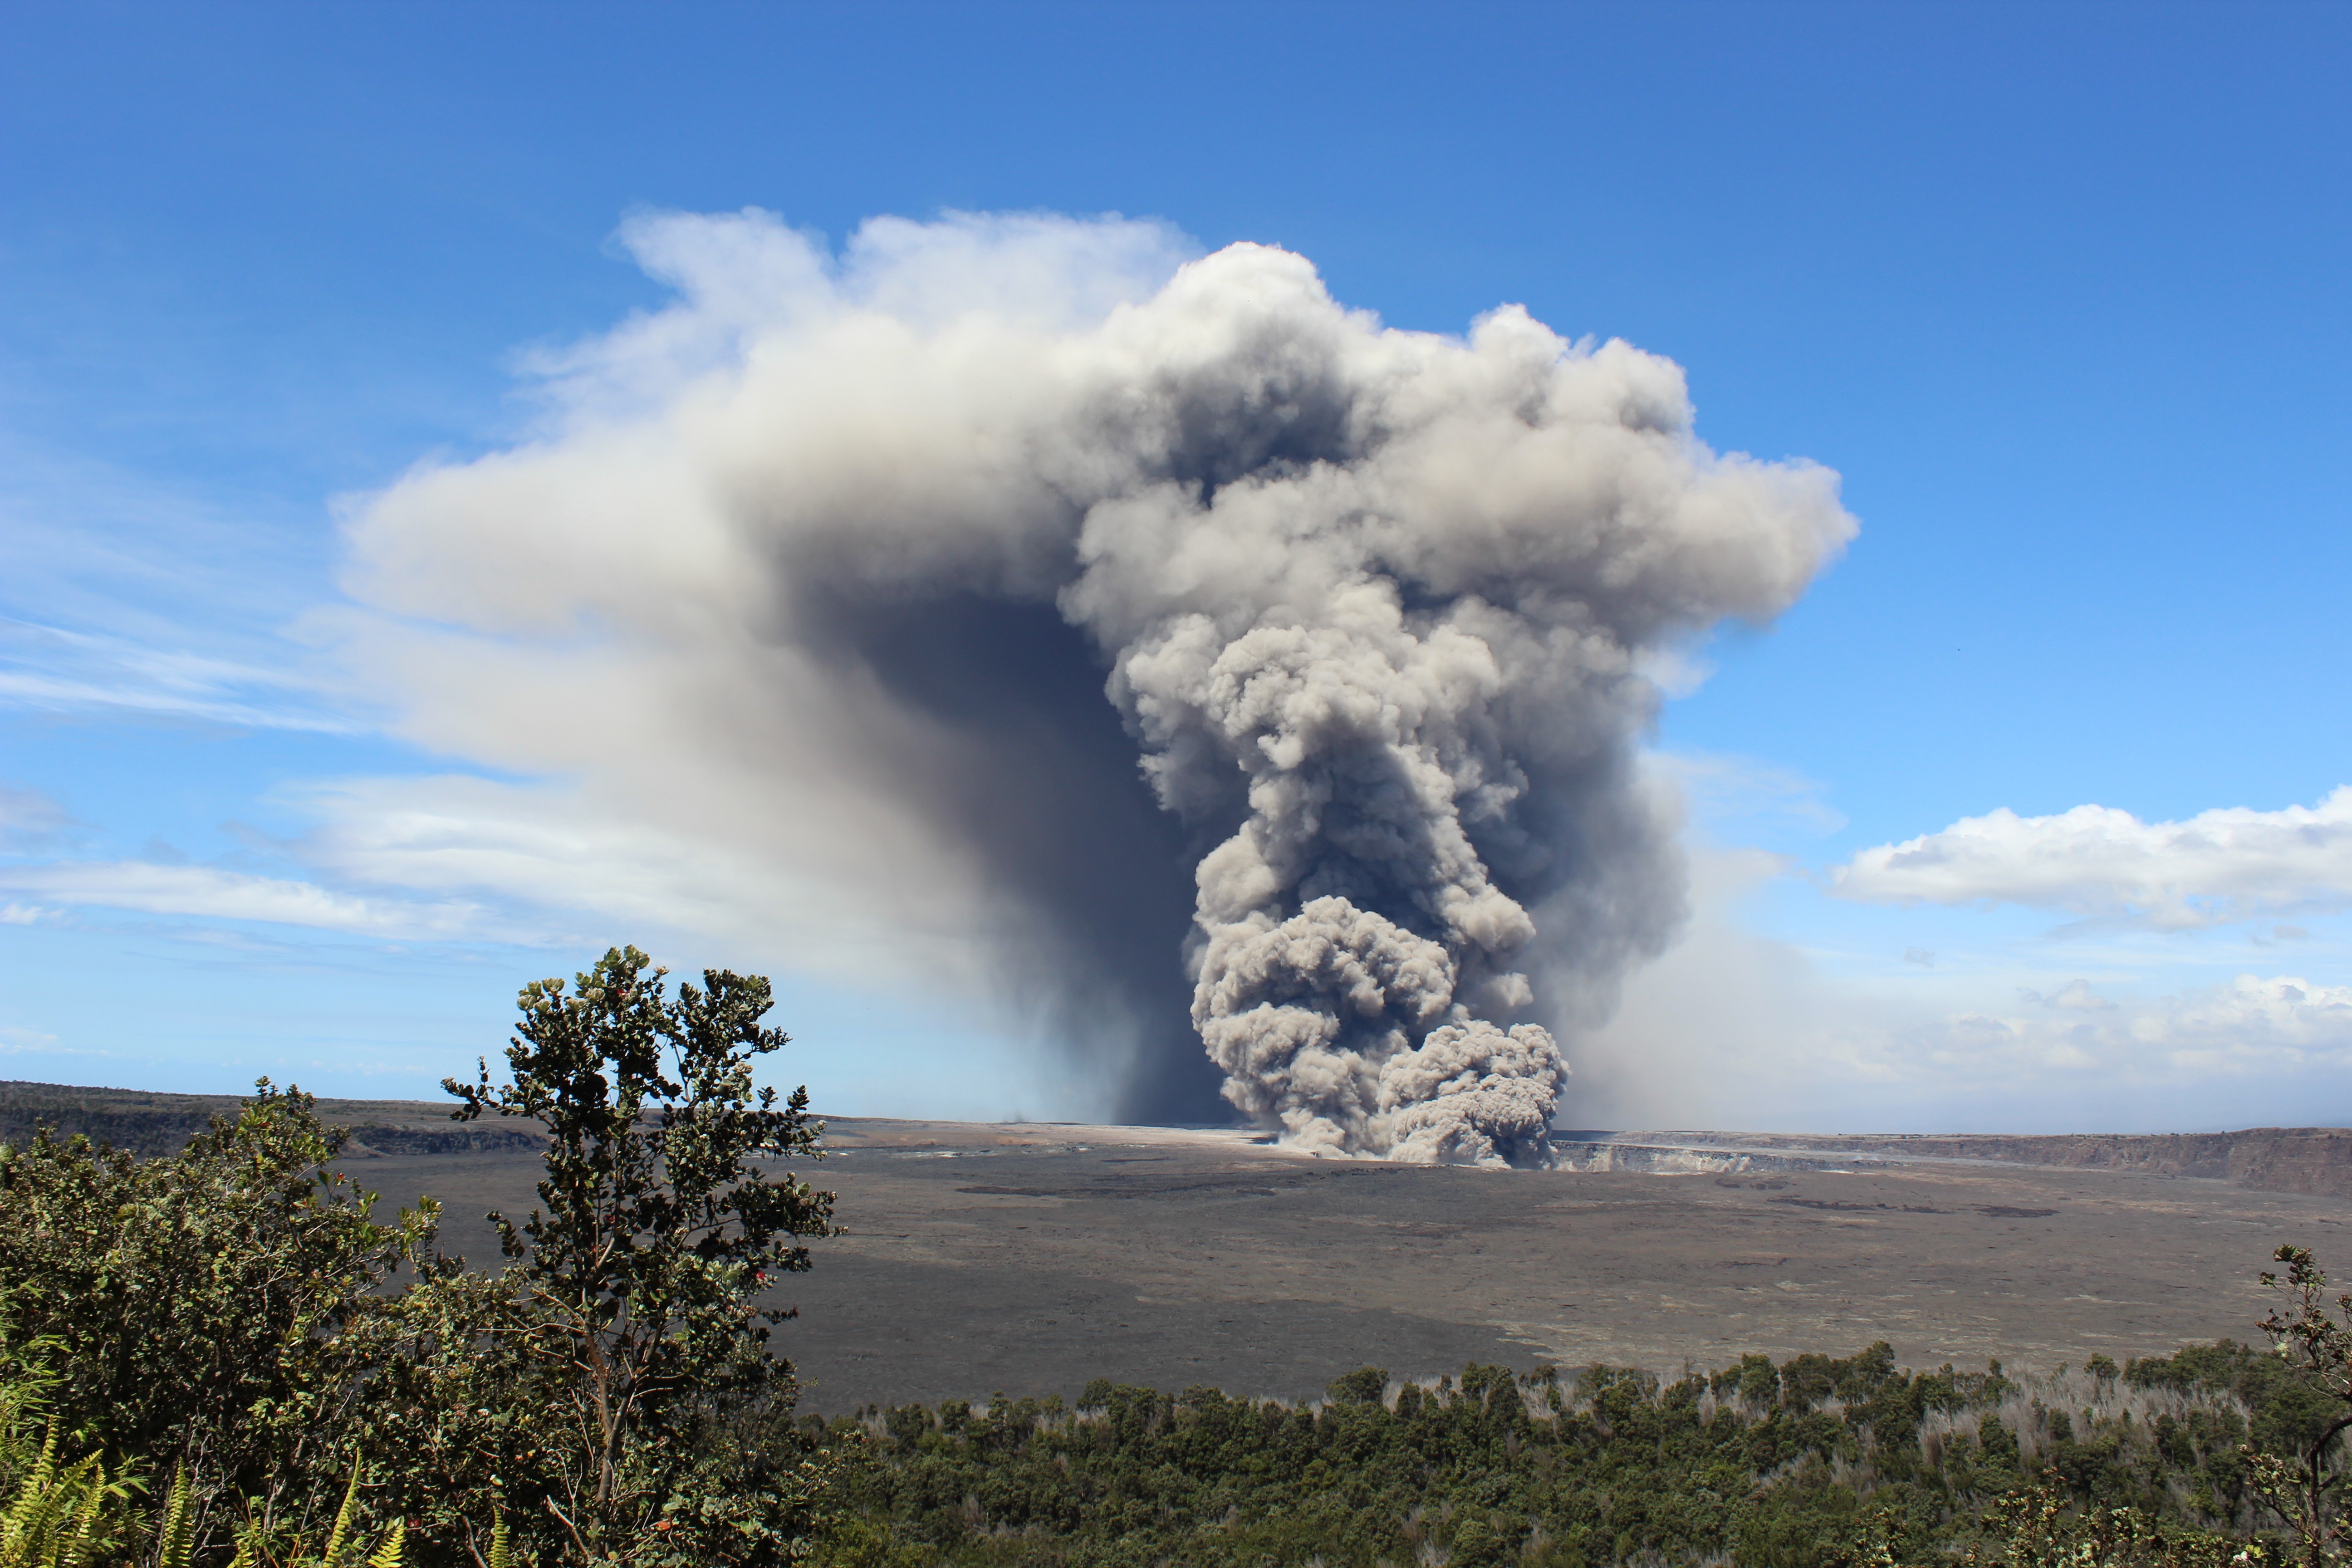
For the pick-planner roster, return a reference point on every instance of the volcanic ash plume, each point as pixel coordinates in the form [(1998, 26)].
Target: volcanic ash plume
[(1416, 642), (1378, 608)]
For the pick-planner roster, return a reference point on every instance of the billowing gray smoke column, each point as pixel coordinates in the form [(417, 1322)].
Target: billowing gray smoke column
[(1379, 609), (1403, 596)]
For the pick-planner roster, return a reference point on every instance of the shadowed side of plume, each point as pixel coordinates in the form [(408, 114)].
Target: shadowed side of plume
[(1043, 790)]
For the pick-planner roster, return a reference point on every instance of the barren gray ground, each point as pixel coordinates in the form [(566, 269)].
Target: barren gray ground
[(1029, 1259)]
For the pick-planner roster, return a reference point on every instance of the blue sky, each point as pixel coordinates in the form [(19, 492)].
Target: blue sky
[(2057, 290)]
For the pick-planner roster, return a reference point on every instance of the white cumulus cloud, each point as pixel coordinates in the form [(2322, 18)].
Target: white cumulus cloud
[(2094, 862)]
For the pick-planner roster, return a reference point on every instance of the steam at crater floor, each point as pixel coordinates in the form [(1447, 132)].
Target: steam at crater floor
[(1376, 608)]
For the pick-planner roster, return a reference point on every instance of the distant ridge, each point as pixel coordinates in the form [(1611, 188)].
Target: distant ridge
[(149, 1124), (2316, 1162)]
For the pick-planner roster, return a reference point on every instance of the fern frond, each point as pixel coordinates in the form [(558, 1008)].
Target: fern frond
[(30, 1522), (79, 1543), (57, 1518), (501, 1541), (387, 1554), (44, 1471), (175, 1535), (337, 1537)]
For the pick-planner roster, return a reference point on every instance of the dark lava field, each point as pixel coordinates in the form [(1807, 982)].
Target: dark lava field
[(1029, 1259)]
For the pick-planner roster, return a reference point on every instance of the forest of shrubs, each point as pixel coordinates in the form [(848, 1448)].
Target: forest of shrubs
[(226, 1356), (1808, 1462)]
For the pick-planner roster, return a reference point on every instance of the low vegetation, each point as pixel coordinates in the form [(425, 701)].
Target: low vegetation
[(223, 1356), (234, 1321)]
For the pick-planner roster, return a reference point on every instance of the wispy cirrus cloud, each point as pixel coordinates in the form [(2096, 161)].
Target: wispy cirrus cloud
[(122, 597), (464, 858), (20, 1041), (29, 818), (2218, 867), (1746, 793), (211, 892), (56, 669), (581, 853)]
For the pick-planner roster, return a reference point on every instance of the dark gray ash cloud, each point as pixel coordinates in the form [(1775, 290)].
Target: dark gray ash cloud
[(1146, 639)]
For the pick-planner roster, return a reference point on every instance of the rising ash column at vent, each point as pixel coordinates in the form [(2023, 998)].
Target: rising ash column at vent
[(1402, 586)]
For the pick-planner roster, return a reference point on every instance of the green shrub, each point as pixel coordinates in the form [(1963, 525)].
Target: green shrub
[(193, 1303)]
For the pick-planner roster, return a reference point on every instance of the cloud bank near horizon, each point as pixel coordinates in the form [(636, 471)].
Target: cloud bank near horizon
[(1737, 1029), (832, 607)]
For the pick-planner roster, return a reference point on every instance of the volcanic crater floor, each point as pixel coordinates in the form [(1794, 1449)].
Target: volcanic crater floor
[(1028, 1259)]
